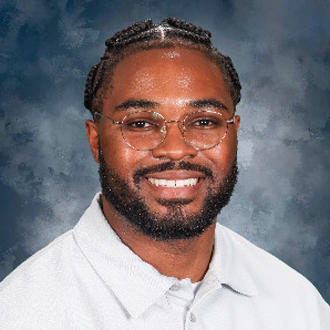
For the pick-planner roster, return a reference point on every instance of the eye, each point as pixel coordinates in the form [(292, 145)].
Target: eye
[(141, 124), (204, 122)]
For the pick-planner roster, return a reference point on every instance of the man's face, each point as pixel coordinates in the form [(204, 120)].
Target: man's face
[(136, 183)]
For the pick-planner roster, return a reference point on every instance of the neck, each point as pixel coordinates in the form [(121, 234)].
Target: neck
[(180, 258)]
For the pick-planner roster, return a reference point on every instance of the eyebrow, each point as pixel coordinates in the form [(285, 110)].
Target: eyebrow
[(147, 104), (136, 104), (208, 103)]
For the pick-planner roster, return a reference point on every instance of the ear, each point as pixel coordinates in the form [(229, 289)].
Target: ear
[(93, 138), (237, 122)]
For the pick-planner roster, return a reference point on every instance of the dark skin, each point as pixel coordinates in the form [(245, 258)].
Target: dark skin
[(171, 79)]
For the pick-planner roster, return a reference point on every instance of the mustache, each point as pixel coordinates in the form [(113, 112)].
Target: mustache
[(171, 166)]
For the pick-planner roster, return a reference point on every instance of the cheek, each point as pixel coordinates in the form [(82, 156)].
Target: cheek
[(222, 156), (113, 148), (120, 156)]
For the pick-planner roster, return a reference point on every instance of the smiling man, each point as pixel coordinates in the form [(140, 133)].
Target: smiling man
[(148, 253)]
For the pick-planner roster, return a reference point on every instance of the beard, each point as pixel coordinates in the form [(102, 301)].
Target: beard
[(176, 223)]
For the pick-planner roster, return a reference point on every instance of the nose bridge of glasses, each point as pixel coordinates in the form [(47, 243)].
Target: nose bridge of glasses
[(172, 135), (179, 122), (174, 144)]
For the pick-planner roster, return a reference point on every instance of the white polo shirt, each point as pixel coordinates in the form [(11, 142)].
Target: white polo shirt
[(88, 279)]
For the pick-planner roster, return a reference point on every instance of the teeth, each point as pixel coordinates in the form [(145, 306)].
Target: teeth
[(173, 183)]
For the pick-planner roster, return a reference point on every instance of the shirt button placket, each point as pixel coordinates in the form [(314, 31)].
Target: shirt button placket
[(192, 317), (175, 287)]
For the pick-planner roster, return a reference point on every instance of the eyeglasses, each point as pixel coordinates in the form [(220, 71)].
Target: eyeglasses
[(146, 130)]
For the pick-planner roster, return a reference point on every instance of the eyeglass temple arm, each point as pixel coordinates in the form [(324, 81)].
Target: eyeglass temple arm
[(100, 114)]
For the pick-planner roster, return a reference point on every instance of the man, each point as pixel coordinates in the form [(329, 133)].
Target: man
[(147, 253)]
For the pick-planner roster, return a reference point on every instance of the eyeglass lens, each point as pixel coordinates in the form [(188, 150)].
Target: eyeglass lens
[(146, 130)]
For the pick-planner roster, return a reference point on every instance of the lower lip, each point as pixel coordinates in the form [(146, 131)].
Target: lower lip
[(175, 192)]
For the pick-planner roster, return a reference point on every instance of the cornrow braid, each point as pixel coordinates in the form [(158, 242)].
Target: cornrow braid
[(125, 35), (147, 35), (233, 76), (182, 25)]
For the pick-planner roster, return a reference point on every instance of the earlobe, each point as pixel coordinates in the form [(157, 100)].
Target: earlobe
[(93, 138), (237, 122)]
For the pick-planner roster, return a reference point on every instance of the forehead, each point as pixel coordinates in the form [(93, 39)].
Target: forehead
[(167, 75)]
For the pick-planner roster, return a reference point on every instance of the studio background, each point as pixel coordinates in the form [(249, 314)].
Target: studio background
[(281, 50)]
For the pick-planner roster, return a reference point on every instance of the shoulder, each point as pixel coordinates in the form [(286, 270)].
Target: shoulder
[(41, 263), (38, 283), (53, 261), (270, 275), (279, 292)]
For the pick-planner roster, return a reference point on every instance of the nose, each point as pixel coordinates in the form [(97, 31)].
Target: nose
[(174, 145)]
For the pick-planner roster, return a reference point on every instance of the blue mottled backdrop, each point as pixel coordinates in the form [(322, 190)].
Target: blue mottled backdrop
[(282, 52)]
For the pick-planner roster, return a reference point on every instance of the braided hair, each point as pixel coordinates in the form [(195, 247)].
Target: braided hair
[(147, 35)]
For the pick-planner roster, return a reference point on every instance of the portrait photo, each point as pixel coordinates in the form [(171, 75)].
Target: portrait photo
[(142, 79)]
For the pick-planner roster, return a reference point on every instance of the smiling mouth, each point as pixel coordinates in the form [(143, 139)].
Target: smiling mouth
[(179, 183)]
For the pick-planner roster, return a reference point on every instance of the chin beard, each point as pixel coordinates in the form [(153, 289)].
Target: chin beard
[(176, 223)]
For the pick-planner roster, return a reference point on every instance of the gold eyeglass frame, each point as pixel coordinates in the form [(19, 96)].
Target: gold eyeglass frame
[(182, 128)]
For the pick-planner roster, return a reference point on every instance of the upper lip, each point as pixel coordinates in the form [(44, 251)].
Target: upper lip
[(175, 175)]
